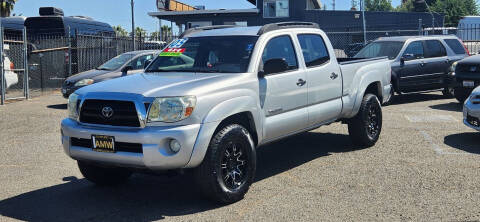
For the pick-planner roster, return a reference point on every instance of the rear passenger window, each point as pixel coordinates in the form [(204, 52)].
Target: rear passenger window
[(435, 49), (314, 50), (456, 46), (281, 48), (414, 51)]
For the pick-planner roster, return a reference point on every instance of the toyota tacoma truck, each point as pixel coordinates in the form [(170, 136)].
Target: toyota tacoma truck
[(244, 87)]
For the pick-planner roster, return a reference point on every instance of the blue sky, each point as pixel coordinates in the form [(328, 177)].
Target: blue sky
[(117, 12)]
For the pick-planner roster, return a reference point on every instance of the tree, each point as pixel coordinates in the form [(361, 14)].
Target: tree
[(120, 31), (454, 10), (6, 7), (354, 5), (378, 5), (166, 32), (140, 32)]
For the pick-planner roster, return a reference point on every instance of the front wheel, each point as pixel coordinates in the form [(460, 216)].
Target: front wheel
[(366, 126), (228, 168)]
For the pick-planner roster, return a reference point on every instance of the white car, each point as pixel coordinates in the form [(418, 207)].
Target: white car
[(11, 78)]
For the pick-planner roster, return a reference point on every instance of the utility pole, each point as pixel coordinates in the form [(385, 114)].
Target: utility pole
[(362, 6), (133, 25), (333, 5), (433, 17)]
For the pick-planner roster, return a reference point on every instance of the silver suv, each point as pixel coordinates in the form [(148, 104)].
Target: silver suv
[(243, 87)]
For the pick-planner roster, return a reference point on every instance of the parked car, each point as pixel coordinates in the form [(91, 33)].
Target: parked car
[(121, 65), (419, 63), (471, 110), (466, 77), (245, 87)]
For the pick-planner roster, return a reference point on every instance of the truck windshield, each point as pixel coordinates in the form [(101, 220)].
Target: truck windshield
[(116, 63), (217, 54), (381, 49)]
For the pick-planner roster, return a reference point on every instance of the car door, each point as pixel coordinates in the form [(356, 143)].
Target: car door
[(411, 68), (436, 65), (283, 95), (324, 80)]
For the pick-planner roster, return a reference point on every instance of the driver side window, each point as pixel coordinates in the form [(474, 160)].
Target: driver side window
[(281, 48), (139, 63), (414, 51)]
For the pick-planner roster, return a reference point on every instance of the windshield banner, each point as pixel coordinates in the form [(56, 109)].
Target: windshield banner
[(172, 52)]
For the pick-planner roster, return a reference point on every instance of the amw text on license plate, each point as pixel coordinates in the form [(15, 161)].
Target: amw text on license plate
[(103, 143)]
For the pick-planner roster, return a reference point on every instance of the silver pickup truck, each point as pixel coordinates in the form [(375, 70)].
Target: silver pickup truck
[(244, 87)]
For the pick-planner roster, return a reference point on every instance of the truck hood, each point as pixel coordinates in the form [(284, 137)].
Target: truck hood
[(158, 84)]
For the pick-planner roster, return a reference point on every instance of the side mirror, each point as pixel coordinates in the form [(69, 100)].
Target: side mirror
[(402, 61), (147, 63), (275, 66), (126, 69)]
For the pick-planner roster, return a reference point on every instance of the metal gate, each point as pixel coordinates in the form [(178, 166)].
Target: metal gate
[(13, 65)]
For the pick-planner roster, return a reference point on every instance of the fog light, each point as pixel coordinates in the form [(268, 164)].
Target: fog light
[(175, 146)]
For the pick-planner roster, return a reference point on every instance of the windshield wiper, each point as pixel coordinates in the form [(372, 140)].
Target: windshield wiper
[(98, 68)]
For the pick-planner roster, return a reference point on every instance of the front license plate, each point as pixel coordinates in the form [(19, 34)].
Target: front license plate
[(103, 143), (469, 84)]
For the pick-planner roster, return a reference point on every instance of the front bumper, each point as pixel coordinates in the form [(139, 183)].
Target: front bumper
[(471, 115), (155, 155)]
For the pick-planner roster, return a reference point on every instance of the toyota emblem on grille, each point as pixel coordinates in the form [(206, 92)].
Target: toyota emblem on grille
[(107, 112)]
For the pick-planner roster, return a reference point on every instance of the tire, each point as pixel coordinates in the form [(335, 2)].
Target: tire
[(448, 92), (229, 166), (461, 94), (103, 176), (365, 128)]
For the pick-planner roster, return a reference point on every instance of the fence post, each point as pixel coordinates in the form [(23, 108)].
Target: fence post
[(69, 52), (420, 27), (2, 74), (26, 85)]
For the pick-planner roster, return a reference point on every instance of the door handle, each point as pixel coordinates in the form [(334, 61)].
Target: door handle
[(301, 82), (333, 76), (422, 64)]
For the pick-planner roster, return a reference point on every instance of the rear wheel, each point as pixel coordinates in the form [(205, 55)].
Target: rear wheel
[(366, 126), (104, 176), (448, 92), (228, 168)]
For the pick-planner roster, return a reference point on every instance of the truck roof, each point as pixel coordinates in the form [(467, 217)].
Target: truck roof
[(227, 30)]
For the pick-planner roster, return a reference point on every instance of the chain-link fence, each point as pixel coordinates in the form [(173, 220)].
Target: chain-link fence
[(13, 72)]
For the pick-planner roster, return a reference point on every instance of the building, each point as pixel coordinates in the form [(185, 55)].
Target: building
[(270, 11)]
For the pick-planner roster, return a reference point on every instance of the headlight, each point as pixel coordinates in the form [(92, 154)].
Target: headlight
[(84, 82), (73, 106), (171, 109), (453, 67)]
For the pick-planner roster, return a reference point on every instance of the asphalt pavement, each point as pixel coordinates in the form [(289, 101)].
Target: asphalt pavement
[(424, 168)]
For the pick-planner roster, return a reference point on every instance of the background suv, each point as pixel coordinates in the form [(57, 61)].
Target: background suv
[(419, 63)]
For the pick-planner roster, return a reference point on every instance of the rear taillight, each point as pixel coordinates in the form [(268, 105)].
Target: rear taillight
[(466, 49), (12, 66)]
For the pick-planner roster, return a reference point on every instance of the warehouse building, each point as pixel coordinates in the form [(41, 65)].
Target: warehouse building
[(271, 11)]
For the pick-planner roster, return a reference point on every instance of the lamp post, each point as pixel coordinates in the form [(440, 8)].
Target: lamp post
[(362, 5), (133, 25)]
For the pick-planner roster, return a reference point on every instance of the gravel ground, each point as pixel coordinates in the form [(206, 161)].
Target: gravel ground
[(424, 168)]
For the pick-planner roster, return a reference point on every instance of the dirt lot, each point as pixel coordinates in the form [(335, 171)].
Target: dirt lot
[(424, 168)]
